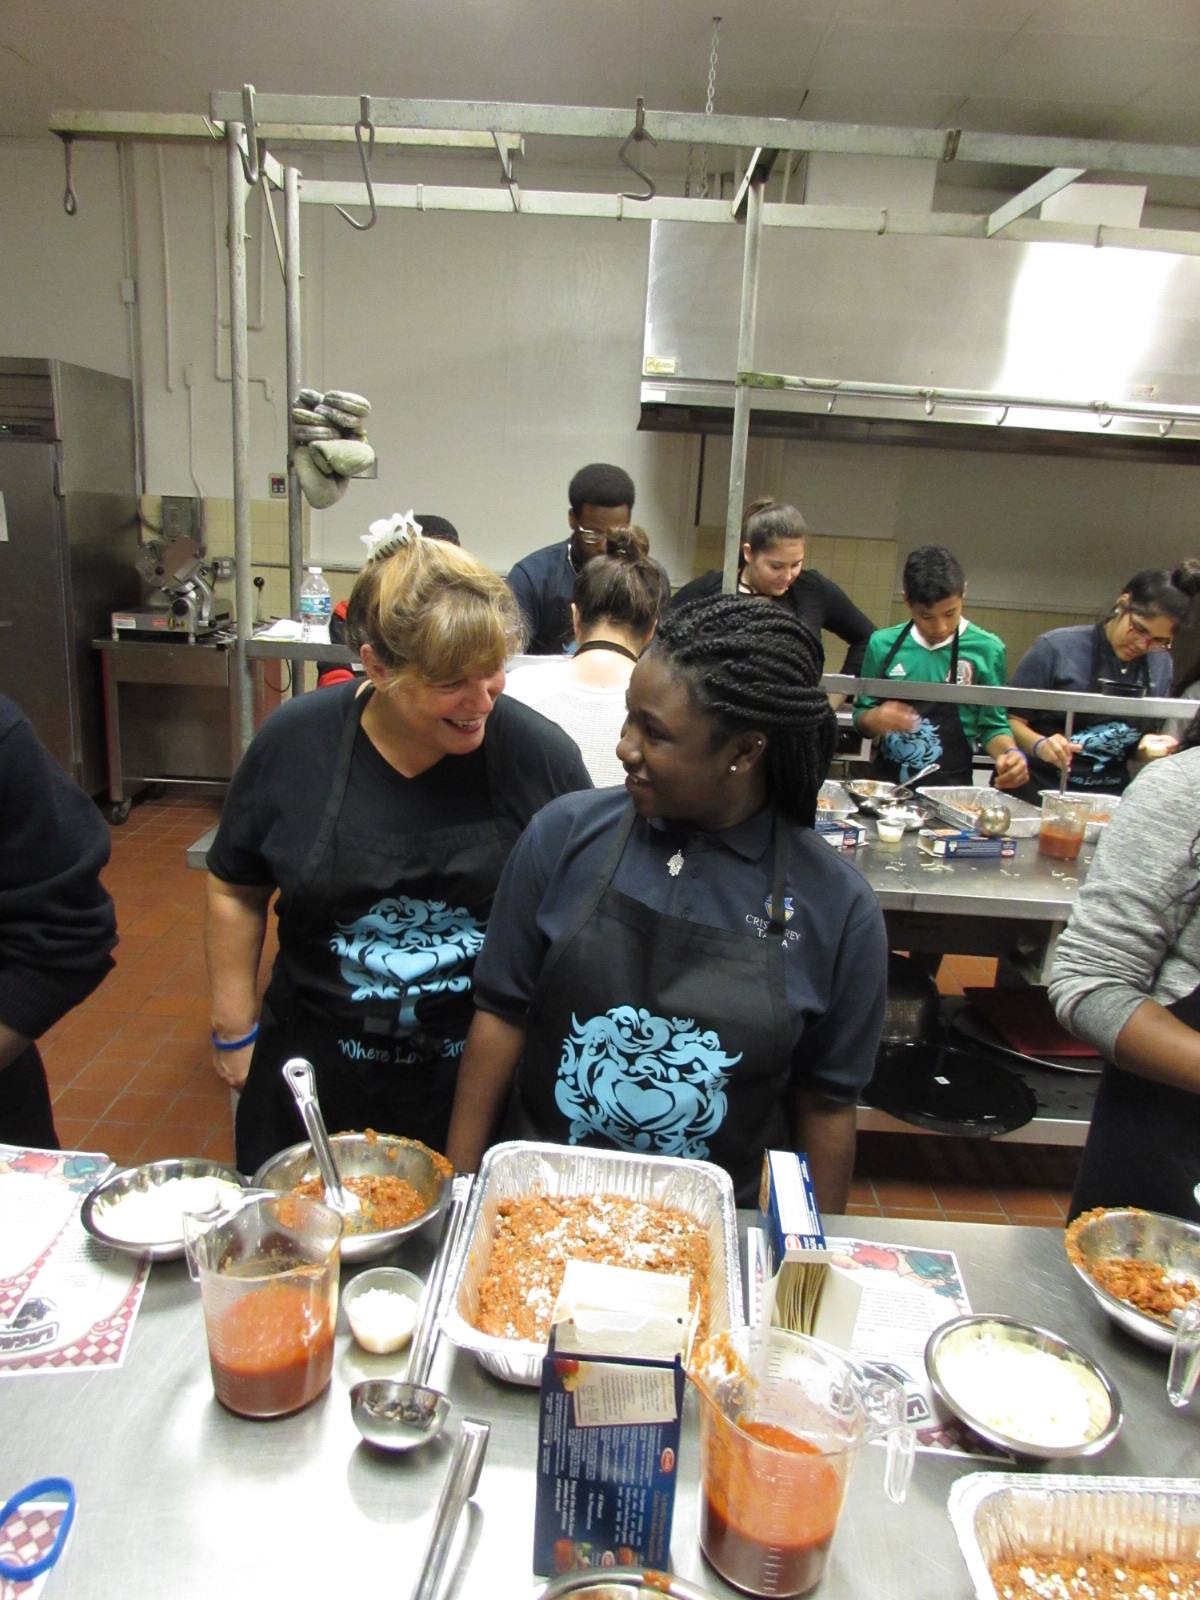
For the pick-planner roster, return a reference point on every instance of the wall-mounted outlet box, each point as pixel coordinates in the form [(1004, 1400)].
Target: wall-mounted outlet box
[(222, 567), (278, 486)]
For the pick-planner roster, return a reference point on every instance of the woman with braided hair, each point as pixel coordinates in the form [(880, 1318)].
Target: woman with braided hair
[(683, 967)]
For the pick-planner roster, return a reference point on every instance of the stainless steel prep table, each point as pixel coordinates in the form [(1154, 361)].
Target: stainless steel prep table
[(1012, 909), (178, 1497)]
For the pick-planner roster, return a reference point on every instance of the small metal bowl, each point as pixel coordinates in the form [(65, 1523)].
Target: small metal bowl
[(1168, 1242), (358, 1156), (617, 1583), (150, 1175), (1011, 1331), (872, 794)]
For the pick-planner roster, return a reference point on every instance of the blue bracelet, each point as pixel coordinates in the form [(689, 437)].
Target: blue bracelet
[(23, 1572), (235, 1044)]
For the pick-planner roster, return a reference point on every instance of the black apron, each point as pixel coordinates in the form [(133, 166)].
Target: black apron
[(939, 737), (1143, 1146), (651, 1034), (1108, 742), (401, 918)]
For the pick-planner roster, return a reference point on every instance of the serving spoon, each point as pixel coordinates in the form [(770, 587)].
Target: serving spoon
[(905, 790), (404, 1416), (298, 1075)]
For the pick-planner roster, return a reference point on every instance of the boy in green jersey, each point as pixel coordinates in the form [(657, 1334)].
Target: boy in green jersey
[(937, 645)]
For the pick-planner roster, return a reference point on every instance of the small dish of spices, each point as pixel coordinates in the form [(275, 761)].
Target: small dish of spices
[(381, 1307)]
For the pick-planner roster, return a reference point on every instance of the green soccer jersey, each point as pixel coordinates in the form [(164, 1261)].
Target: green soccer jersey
[(980, 660)]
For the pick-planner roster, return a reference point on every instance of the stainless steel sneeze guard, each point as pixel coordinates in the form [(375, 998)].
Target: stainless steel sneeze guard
[(998, 1515), (512, 1170)]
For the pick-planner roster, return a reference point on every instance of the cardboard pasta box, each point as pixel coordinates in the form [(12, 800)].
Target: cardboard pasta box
[(609, 1413)]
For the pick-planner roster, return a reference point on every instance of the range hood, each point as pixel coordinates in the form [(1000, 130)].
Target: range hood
[(975, 325)]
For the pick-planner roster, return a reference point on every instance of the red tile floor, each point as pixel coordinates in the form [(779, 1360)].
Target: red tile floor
[(130, 1069)]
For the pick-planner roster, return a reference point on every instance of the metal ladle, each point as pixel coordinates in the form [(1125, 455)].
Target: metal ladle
[(461, 1481), (298, 1075), (404, 1416)]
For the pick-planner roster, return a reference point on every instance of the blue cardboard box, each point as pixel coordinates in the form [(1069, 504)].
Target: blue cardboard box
[(608, 1453)]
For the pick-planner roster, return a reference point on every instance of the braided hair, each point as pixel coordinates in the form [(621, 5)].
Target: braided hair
[(752, 664)]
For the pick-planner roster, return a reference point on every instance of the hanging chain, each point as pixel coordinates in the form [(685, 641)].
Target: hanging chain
[(698, 180)]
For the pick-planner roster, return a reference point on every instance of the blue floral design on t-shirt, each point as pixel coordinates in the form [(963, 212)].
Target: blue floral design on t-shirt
[(644, 1083), (402, 949), (912, 751), (1107, 745)]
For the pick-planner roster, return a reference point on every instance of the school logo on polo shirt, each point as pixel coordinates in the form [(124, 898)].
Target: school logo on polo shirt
[(643, 1082), (403, 949)]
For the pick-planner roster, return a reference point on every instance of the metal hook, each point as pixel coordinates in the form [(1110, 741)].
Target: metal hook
[(70, 202), (1165, 427), (929, 402), (364, 124), (252, 153), (638, 134), (1002, 418), (1103, 414)]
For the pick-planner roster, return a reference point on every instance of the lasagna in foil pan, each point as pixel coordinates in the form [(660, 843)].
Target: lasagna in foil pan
[(1005, 1516), (517, 1169), (961, 806)]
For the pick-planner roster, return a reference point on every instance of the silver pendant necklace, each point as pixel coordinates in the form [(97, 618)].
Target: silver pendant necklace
[(675, 863)]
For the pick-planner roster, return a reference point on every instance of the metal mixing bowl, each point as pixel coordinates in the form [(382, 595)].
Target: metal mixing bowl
[(1169, 1242), (357, 1156), (1011, 1331), (150, 1175), (870, 794)]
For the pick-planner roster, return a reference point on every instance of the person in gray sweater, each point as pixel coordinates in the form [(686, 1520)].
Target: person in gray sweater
[(1126, 978)]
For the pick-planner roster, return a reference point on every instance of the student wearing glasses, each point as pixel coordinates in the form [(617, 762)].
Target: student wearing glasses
[(1127, 654), (600, 500)]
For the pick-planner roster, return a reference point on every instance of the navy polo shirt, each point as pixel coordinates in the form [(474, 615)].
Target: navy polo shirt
[(542, 585), (836, 950)]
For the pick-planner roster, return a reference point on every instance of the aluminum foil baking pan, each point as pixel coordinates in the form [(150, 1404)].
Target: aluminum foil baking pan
[(949, 803), (999, 1515), (838, 801), (516, 1169)]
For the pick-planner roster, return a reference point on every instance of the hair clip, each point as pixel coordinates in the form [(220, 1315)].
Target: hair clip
[(389, 533)]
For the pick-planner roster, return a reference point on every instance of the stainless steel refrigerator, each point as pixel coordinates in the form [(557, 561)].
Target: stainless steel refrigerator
[(68, 539)]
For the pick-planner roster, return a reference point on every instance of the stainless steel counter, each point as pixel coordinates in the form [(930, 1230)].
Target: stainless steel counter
[(178, 1497), (1029, 887)]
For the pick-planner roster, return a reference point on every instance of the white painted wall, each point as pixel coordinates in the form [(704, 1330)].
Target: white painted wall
[(500, 354)]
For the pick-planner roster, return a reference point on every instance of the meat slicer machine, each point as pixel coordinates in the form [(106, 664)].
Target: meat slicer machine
[(177, 593)]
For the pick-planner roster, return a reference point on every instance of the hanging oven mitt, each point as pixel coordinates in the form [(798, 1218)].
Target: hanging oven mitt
[(346, 458), (319, 488)]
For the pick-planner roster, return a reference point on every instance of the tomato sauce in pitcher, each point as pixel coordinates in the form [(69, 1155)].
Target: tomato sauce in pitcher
[(768, 1529)]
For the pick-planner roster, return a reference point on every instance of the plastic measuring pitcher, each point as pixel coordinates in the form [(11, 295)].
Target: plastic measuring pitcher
[(267, 1267), (1064, 825), (782, 1418)]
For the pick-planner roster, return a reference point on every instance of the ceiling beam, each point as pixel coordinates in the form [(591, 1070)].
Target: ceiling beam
[(159, 127), (698, 127), (1041, 190)]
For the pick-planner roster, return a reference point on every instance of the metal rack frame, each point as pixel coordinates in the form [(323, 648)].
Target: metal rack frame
[(243, 117)]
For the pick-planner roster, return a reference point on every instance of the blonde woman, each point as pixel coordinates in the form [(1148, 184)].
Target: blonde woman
[(383, 815)]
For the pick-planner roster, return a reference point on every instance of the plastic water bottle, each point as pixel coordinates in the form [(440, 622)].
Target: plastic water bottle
[(316, 608)]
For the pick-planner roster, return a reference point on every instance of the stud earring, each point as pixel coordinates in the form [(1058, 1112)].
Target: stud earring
[(733, 767)]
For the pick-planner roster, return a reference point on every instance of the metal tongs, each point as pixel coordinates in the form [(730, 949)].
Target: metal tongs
[(298, 1075)]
